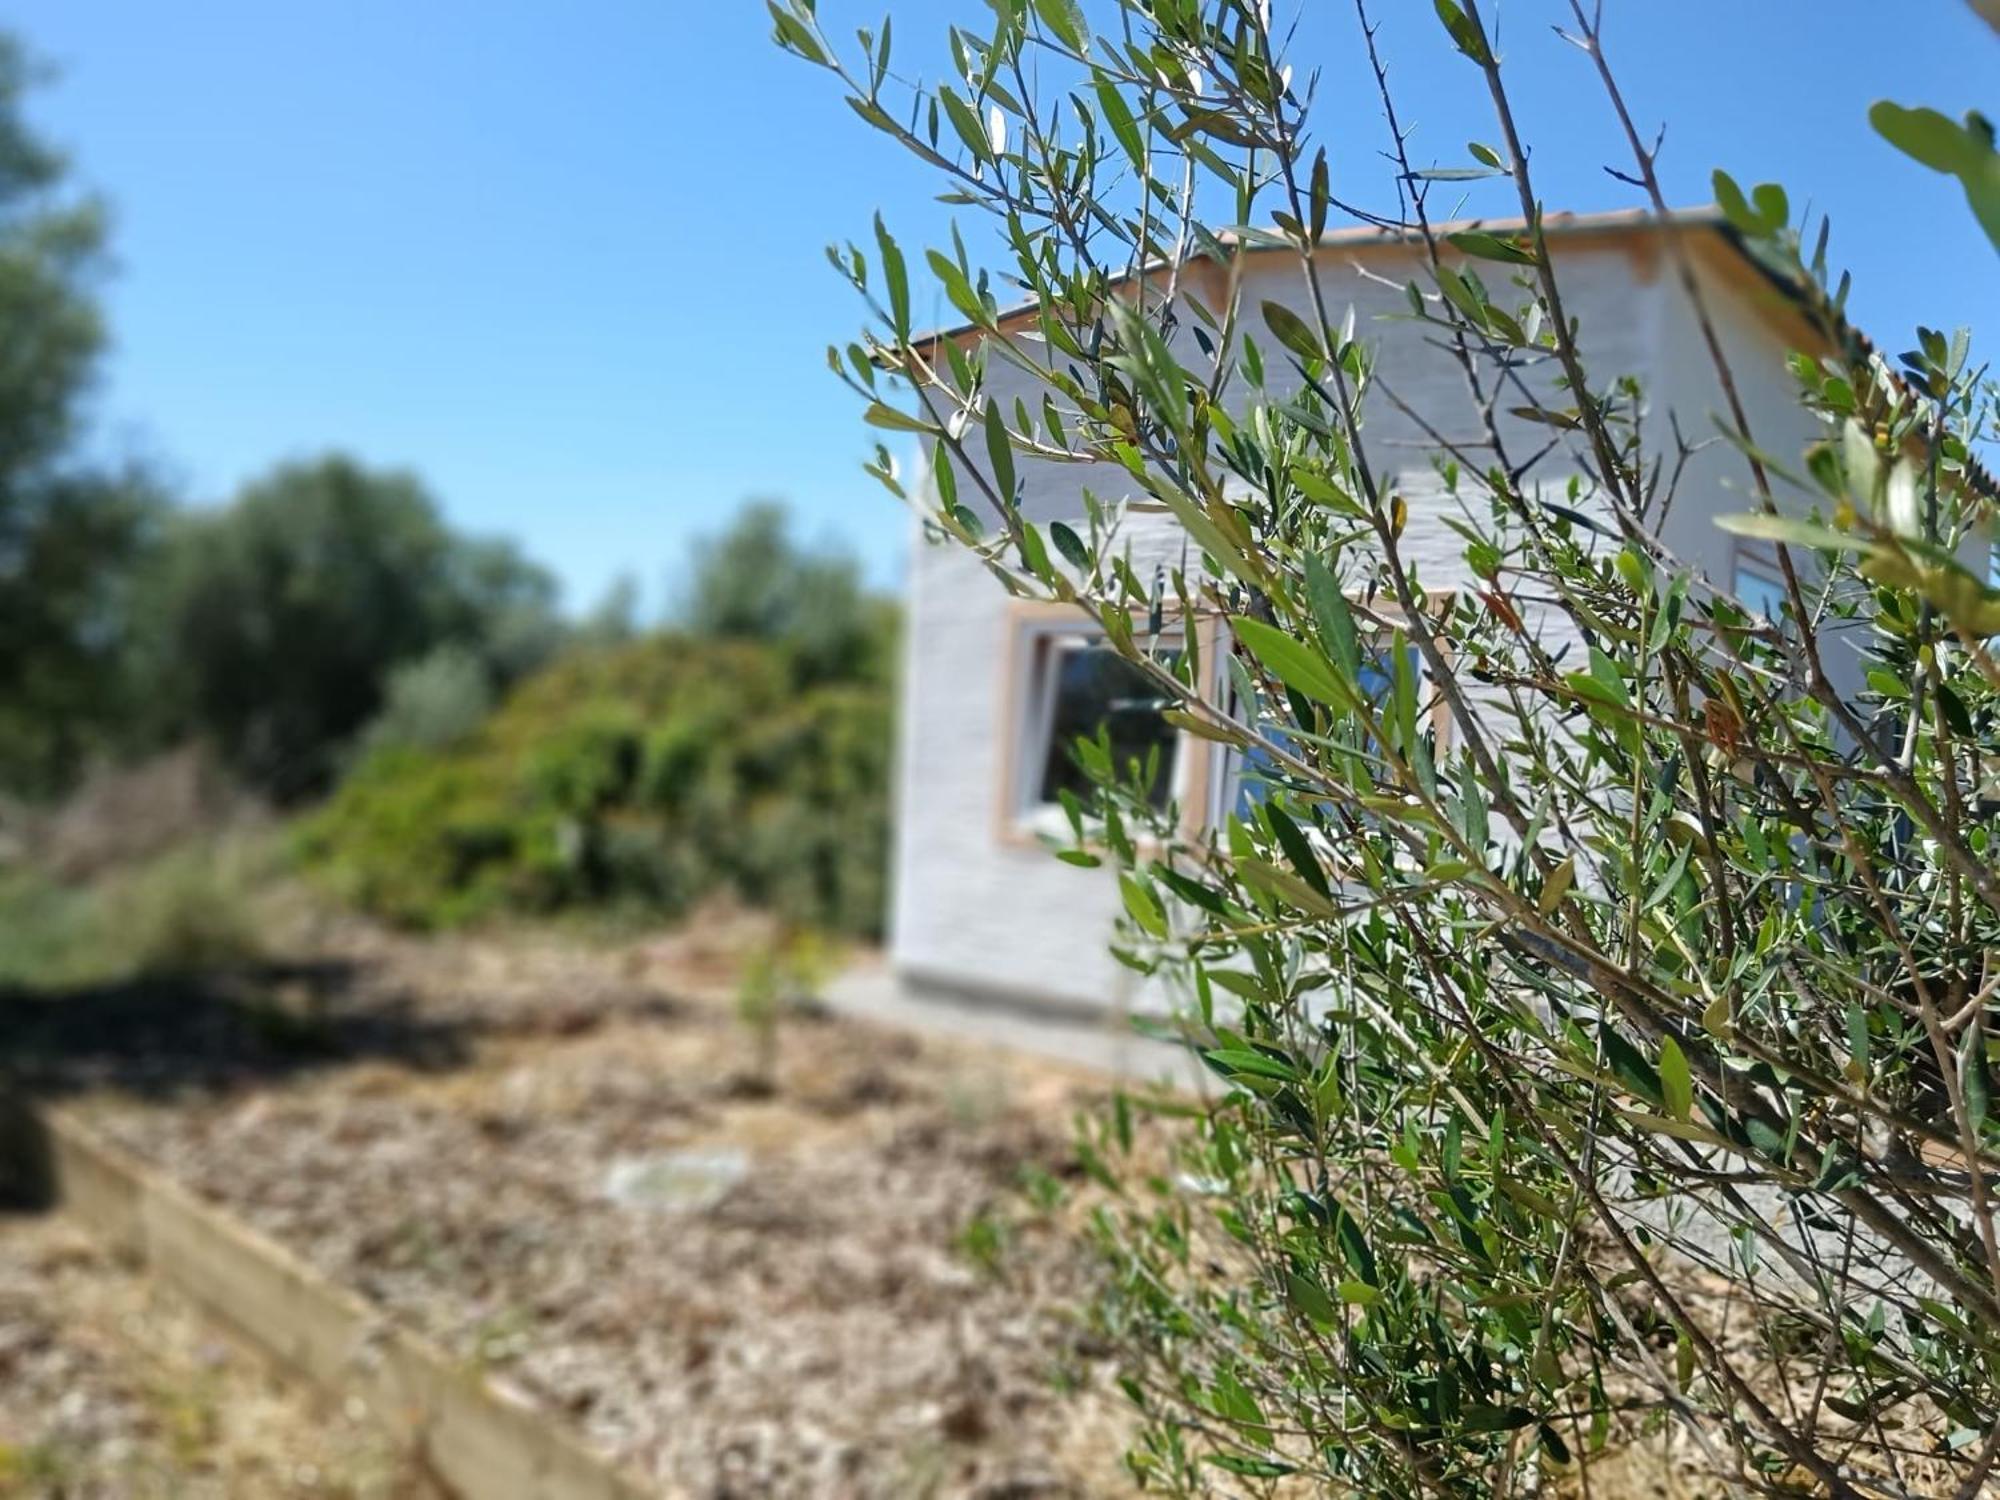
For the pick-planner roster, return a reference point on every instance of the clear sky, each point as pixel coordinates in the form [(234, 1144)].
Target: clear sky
[(565, 259)]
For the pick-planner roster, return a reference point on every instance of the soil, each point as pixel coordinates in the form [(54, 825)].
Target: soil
[(112, 1390), (569, 1164), (738, 1265)]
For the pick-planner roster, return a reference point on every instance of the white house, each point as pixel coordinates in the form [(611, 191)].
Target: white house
[(994, 689)]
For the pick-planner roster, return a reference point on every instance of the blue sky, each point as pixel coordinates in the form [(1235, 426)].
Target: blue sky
[(565, 260)]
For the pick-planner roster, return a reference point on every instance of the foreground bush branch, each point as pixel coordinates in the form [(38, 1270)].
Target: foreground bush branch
[(1597, 964)]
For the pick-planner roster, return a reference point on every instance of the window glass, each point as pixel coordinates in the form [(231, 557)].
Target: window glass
[(1759, 594), (1253, 772), (1092, 687), (1256, 769), (1758, 586), (1378, 673)]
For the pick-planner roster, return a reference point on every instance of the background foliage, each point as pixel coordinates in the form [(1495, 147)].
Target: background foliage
[(266, 627), (271, 626), (326, 631), (68, 530), (744, 750)]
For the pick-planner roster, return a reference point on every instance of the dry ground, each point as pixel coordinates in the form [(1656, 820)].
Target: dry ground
[(111, 1390), (558, 1160)]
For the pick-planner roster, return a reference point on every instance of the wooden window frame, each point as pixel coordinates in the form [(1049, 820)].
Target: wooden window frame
[(1024, 688)]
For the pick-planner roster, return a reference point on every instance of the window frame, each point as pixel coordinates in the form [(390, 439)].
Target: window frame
[(1036, 631)]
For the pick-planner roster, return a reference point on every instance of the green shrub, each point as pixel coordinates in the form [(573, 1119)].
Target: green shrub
[(191, 909), (50, 933), (644, 776), (271, 627), (436, 700), (194, 907), (1601, 992)]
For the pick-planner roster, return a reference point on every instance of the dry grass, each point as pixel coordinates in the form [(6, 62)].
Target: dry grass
[(110, 1389)]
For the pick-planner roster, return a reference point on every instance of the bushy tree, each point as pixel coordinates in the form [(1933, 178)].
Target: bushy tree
[(1621, 1064), (67, 534), (436, 700), (271, 625), (614, 619), (754, 581), (743, 751)]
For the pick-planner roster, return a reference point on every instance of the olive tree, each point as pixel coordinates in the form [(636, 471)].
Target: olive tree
[(275, 626), (71, 531), (1616, 1069)]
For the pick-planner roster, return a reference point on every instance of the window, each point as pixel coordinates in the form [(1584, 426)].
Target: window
[(1759, 584), (1378, 672), (1249, 774), (1247, 777), (1090, 688), (1076, 686)]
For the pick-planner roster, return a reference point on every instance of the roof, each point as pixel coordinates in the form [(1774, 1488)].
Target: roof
[(1615, 223), (1635, 223)]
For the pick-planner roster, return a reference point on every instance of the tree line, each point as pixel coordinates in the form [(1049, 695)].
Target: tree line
[(267, 626), (327, 637)]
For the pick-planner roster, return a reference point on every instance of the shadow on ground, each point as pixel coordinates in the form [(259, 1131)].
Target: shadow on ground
[(220, 1029)]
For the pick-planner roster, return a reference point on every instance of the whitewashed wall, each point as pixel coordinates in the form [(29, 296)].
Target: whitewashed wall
[(1754, 327), (977, 911)]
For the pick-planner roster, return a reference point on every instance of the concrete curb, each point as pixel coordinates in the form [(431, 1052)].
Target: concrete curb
[(475, 1438), (1099, 1040)]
